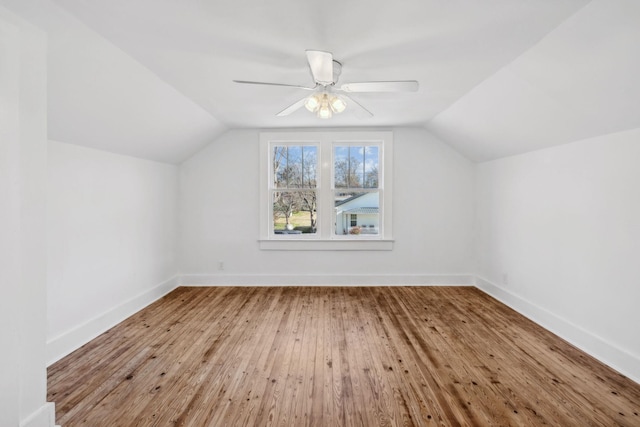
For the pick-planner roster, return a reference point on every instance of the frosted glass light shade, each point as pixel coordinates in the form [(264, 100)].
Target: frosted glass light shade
[(338, 105), (325, 112), (312, 103)]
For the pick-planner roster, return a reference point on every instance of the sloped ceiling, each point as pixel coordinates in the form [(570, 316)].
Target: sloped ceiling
[(581, 80), (153, 78)]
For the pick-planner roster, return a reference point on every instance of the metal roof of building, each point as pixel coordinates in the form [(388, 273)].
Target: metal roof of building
[(361, 211)]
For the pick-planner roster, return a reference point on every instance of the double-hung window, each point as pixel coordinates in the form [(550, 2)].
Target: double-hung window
[(326, 190)]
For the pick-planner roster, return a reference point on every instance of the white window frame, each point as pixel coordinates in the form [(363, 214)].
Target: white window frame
[(325, 237)]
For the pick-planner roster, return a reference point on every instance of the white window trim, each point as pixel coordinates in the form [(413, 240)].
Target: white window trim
[(325, 239)]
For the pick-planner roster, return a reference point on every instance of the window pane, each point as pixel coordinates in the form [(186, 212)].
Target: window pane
[(371, 163), (294, 212), (341, 167), (357, 213), (294, 166), (356, 166), (309, 165)]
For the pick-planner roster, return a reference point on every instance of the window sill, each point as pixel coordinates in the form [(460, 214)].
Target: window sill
[(326, 245)]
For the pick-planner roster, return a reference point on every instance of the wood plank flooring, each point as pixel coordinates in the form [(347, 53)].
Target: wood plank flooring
[(319, 356)]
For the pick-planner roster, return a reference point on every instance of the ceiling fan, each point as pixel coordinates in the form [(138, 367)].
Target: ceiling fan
[(327, 98)]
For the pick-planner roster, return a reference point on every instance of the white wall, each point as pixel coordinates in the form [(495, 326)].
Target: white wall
[(432, 214), (564, 225), (111, 227), (23, 128)]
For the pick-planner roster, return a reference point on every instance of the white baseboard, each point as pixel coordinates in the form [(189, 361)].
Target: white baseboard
[(609, 354), (45, 416), (65, 343), (325, 280)]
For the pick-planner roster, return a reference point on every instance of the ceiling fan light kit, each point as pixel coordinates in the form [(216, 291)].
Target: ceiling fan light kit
[(324, 103)]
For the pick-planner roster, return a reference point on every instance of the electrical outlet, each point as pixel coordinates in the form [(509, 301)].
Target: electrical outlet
[(220, 265)]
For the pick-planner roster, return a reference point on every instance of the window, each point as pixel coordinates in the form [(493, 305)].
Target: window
[(355, 187), (325, 190), (294, 194)]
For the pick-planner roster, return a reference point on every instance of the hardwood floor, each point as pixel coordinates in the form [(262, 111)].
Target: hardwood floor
[(363, 356)]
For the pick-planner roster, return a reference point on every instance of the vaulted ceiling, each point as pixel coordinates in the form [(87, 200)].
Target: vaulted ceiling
[(153, 78)]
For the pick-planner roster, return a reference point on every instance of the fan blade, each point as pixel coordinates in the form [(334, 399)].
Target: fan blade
[(321, 66), (247, 82), (360, 111), (291, 108), (397, 86)]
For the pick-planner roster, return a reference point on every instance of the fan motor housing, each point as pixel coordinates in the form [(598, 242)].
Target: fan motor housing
[(337, 70)]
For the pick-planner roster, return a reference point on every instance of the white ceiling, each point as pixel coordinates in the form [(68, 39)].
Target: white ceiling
[(581, 80), (153, 78)]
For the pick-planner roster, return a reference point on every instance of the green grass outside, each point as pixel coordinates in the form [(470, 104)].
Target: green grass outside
[(300, 221)]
